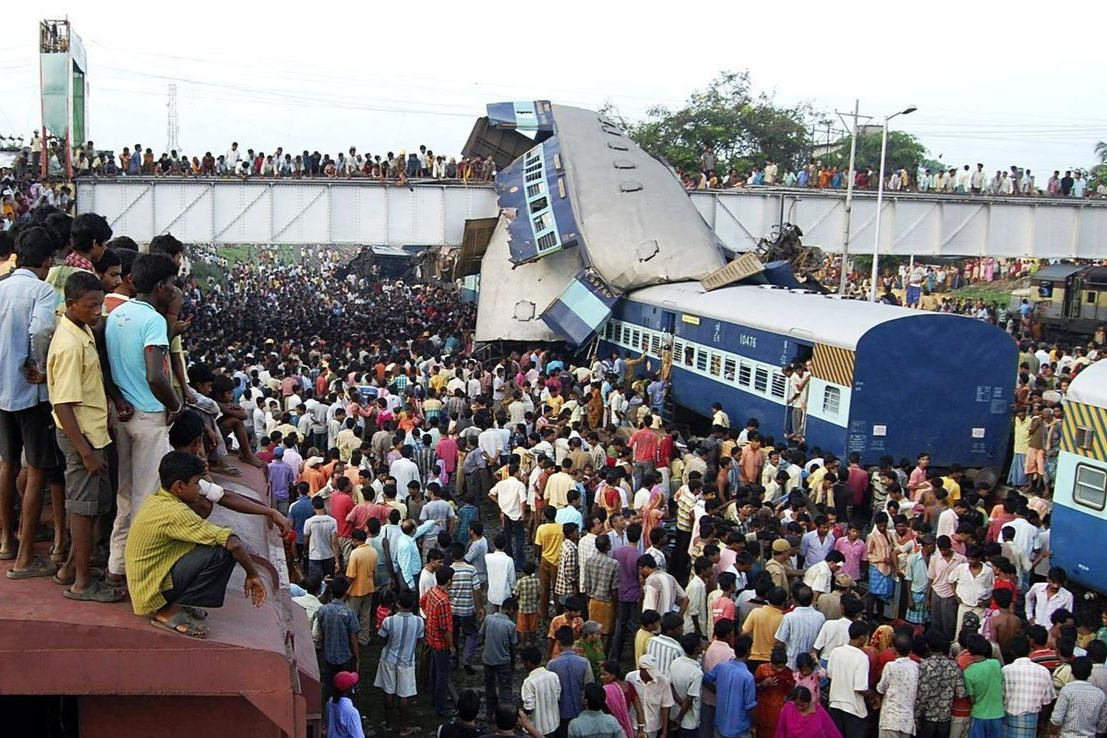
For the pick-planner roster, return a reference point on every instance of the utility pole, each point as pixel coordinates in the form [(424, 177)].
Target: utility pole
[(851, 175), (172, 122)]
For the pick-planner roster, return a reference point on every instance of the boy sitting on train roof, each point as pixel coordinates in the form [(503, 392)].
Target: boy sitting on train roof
[(177, 561)]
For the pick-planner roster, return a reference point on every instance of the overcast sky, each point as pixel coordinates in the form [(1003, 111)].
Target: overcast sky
[(998, 83)]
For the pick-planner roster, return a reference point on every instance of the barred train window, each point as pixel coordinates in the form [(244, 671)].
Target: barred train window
[(655, 344), (689, 355), (645, 345), (779, 384), (745, 371), (728, 369), (701, 360), (716, 364), (636, 337), (626, 336), (1090, 487), (760, 380), (832, 400)]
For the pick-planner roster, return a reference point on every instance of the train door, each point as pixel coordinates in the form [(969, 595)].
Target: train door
[(668, 322), (1074, 298)]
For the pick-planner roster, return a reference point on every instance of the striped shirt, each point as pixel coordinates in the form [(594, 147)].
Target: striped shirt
[(568, 571), (798, 631), (401, 632), (686, 505), (601, 577), (427, 460), (664, 650), (164, 530), (461, 589), (541, 695)]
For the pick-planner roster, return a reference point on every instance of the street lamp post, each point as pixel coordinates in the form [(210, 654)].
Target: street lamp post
[(880, 198)]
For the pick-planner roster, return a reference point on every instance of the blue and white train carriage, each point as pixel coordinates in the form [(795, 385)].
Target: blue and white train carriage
[(1079, 515), (886, 380)]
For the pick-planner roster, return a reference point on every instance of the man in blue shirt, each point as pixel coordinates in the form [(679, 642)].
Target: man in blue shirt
[(574, 671), (137, 338), (27, 321), (735, 692), (298, 513), (281, 480)]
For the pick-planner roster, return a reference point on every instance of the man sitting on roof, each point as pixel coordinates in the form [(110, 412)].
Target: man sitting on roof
[(177, 561)]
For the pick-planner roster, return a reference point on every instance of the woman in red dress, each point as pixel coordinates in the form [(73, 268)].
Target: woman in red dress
[(775, 683)]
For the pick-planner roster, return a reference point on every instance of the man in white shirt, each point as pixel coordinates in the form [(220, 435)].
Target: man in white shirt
[(835, 633), (511, 495), (972, 582), (821, 575), (686, 679), (404, 470), (848, 670), (541, 693), (501, 574), (1045, 598)]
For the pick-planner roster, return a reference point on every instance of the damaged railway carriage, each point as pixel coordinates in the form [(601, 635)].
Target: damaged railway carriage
[(885, 380), (1079, 515)]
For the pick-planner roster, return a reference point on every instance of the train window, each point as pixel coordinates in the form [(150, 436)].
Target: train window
[(609, 329), (728, 369), (645, 345), (1085, 438), (689, 355), (745, 372), (636, 336), (655, 344), (626, 336), (760, 380), (678, 350), (701, 360), (779, 385), (716, 364), (832, 400), (1089, 297), (1090, 487)]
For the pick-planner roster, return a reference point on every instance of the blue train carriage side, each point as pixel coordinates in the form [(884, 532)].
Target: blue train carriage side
[(885, 380), (1079, 517)]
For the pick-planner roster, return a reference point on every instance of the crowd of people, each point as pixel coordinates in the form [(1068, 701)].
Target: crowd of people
[(138, 160), (816, 174), (527, 517)]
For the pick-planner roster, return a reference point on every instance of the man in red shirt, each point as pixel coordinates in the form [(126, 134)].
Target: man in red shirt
[(644, 442), (439, 637), (857, 481), (341, 505)]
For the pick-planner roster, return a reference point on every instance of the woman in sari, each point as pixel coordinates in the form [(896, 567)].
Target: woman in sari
[(654, 510), (881, 563), (903, 545), (774, 683), (803, 717), (595, 409), (620, 696)]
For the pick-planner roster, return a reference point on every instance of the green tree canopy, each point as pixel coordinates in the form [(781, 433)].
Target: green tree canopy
[(904, 150), (743, 127)]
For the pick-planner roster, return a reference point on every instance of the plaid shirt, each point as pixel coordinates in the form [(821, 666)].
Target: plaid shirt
[(526, 593), (399, 384), (1081, 710), (436, 608), (1027, 687), (338, 622), (601, 576), (568, 571), (686, 505), (76, 260)]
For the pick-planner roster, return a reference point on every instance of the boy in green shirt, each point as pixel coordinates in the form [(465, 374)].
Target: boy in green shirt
[(984, 685)]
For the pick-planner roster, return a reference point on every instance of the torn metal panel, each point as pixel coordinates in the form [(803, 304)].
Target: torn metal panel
[(505, 145), (533, 186), (637, 225), (474, 242), (581, 309), (512, 297)]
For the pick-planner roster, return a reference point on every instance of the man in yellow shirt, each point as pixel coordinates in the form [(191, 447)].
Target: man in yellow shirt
[(361, 571), (80, 404), (176, 561), (762, 623), (548, 538)]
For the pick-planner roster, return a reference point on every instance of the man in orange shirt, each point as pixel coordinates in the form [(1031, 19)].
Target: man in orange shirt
[(313, 475), (753, 461)]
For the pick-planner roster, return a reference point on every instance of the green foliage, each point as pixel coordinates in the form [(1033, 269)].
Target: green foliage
[(743, 127), (1098, 173), (904, 150)]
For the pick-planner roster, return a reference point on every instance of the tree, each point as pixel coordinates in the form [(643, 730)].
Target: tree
[(904, 150), (1098, 175), (744, 129)]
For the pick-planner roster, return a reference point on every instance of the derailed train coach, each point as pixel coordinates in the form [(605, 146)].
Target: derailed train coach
[(1079, 514), (884, 380)]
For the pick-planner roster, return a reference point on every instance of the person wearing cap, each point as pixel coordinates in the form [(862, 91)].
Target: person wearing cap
[(343, 719), (280, 479), (777, 566)]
